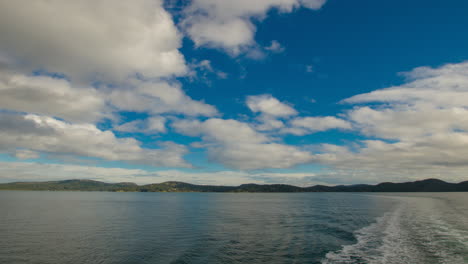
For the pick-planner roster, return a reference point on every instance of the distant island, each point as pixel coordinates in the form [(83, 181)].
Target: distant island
[(428, 185)]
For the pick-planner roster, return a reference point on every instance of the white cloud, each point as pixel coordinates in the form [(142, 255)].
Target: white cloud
[(221, 130), (52, 136), (205, 32), (58, 97), (308, 125), (442, 156), (268, 123), (26, 154), (426, 120), (203, 69), (31, 171), (275, 47), (206, 21), (434, 101), (50, 96), (107, 40), (107, 45), (227, 177), (237, 145), (404, 122), (151, 125), (267, 104), (446, 86), (158, 97), (272, 110)]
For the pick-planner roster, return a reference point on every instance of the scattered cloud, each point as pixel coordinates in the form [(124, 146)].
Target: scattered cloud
[(31, 171), (106, 40), (277, 117), (267, 104), (268, 123), (51, 96), (122, 58), (58, 81), (203, 69), (376, 160), (157, 97), (151, 125), (58, 97), (420, 129), (237, 145), (206, 21), (275, 47), (52, 136), (434, 101), (444, 87), (309, 125)]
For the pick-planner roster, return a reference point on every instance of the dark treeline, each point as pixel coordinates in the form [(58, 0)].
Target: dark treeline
[(428, 185)]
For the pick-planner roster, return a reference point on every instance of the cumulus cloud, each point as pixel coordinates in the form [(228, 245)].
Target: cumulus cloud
[(445, 86), (63, 78), (51, 136), (271, 112), (158, 97), (104, 40), (50, 96), (420, 129), (237, 145), (308, 125), (268, 123), (114, 56), (203, 69), (275, 47), (58, 97), (433, 101), (206, 21), (276, 116), (127, 51), (442, 156), (404, 122), (151, 125), (269, 105)]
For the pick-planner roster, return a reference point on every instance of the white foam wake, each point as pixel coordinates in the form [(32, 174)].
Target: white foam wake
[(414, 233)]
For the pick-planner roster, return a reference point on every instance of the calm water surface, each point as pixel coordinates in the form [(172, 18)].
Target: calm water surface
[(99, 227)]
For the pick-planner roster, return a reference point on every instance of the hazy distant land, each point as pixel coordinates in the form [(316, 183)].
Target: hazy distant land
[(428, 185)]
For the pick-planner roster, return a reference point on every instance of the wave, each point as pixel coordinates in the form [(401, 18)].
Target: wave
[(416, 231)]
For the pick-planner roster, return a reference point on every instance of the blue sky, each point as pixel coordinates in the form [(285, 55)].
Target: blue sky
[(222, 92)]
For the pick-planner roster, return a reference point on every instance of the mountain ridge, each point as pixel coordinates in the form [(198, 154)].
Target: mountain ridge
[(427, 185)]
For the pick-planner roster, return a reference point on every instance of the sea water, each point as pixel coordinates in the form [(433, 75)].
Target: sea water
[(103, 227)]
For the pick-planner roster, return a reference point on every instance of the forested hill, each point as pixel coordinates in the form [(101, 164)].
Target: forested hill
[(428, 185)]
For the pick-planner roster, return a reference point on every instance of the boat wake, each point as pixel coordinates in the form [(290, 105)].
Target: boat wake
[(417, 231)]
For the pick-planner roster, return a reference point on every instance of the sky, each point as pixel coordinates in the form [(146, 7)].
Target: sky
[(224, 92)]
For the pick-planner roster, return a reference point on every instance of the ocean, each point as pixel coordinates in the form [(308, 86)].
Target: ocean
[(105, 227)]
